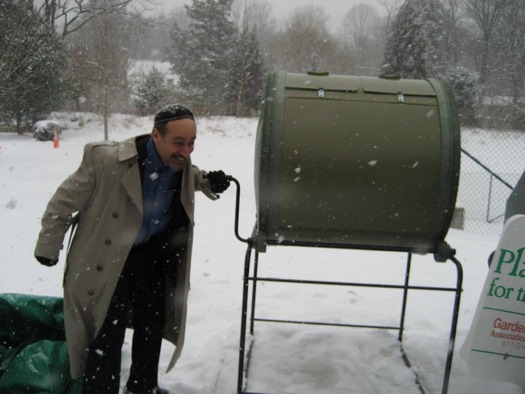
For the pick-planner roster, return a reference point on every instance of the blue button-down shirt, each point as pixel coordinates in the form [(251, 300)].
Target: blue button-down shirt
[(158, 191)]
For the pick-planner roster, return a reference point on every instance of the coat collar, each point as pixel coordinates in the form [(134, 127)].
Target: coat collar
[(128, 148)]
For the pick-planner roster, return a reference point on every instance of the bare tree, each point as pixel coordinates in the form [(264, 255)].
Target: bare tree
[(453, 38), (256, 15), (364, 27), (68, 16), (253, 13), (391, 8), (305, 44), (103, 50), (486, 15)]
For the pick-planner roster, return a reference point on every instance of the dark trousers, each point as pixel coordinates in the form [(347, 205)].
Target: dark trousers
[(140, 289)]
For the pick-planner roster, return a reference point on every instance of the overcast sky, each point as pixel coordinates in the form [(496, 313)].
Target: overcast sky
[(335, 9), (282, 9)]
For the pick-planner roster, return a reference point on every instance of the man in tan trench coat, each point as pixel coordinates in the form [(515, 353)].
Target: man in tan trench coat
[(131, 205)]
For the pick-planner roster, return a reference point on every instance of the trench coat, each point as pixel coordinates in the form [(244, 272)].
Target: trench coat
[(106, 192)]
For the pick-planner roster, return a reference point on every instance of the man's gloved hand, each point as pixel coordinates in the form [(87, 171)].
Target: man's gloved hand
[(45, 261), (218, 181), (491, 256)]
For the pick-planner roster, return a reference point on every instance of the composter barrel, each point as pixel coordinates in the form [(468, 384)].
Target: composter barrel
[(357, 162)]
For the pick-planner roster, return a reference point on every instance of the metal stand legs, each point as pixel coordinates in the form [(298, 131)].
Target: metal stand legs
[(244, 354)]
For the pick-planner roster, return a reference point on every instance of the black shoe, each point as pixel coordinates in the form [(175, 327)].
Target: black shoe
[(155, 390)]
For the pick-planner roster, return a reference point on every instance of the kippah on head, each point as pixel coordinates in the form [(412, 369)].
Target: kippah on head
[(172, 112)]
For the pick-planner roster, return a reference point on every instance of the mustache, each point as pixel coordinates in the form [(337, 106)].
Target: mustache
[(177, 157)]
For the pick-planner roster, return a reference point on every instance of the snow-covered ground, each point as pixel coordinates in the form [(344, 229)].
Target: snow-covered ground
[(285, 358)]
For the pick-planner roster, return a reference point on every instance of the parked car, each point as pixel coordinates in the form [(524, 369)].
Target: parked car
[(44, 130)]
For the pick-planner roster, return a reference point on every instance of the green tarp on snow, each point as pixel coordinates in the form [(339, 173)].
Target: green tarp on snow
[(33, 351)]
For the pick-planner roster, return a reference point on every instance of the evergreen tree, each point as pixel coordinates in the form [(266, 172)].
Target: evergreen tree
[(464, 84), (154, 92), (247, 75), (31, 61), (201, 54), (415, 45)]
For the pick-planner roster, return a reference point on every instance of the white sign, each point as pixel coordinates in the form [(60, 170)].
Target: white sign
[(495, 345)]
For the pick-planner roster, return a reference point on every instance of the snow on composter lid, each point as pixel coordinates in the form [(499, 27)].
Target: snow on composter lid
[(349, 161)]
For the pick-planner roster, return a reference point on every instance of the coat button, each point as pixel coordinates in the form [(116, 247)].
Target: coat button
[(108, 242), (100, 267), (91, 292)]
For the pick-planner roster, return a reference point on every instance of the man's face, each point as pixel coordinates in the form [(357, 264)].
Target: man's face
[(175, 147)]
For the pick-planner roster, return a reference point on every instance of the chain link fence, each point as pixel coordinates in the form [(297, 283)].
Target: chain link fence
[(492, 161)]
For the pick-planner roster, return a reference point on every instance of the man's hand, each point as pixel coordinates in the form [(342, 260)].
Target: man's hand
[(218, 180), (45, 261), (491, 256)]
